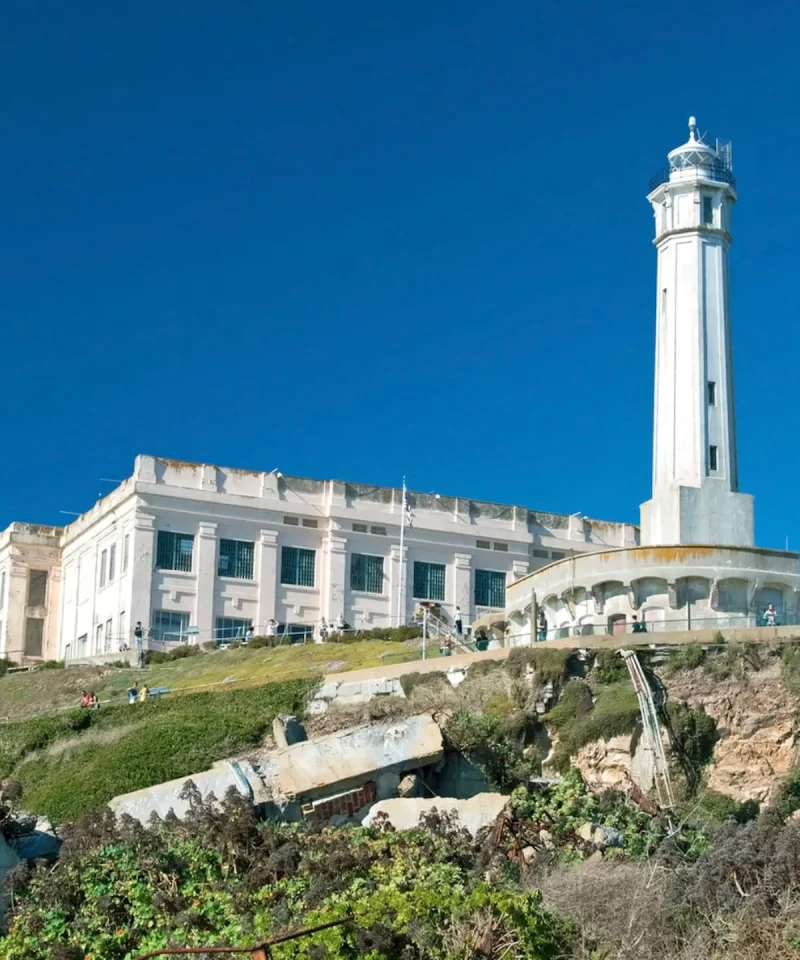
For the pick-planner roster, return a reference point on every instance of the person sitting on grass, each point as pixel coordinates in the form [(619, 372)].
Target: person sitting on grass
[(144, 693), (86, 700), (133, 693)]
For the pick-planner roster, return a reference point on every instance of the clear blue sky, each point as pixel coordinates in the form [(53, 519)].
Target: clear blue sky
[(359, 240)]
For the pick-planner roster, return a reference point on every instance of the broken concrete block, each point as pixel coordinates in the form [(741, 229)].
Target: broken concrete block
[(163, 797), (344, 760), (473, 814), (410, 786), (586, 832), (287, 730), (528, 854)]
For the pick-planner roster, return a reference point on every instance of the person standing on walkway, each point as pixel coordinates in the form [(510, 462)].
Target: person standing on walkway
[(458, 622), (138, 634)]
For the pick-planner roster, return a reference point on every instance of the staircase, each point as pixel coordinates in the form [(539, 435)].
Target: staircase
[(652, 740), (436, 630)]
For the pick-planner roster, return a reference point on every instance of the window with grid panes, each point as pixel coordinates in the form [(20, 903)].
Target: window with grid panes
[(169, 625), (236, 559), (490, 588), (174, 551), (232, 628), (428, 581), (366, 573), (297, 566)]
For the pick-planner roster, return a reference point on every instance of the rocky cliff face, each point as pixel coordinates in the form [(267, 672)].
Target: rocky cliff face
[(756, 719)]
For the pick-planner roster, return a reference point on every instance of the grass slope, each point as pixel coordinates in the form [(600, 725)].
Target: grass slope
[(153, 742), (24, 694)]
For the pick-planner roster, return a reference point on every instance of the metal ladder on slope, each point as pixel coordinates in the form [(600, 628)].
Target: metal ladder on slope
[(651, 729)]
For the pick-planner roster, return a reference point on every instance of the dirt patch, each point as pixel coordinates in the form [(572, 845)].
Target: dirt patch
[(91, 737)]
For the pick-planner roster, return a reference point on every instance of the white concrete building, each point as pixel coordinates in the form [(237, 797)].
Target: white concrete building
[(206, 552), (697, 566), (30, 579)]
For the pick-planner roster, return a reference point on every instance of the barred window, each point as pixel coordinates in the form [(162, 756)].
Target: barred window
[(366, 573), (429, 581), (236, 559), (174, 551), (37, 588), (297, 566), (490, 588)]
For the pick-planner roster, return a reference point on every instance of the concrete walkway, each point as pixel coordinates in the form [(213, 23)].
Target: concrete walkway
[(604, 642)]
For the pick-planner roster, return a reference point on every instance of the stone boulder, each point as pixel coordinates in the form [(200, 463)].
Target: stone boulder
[(473, 814)]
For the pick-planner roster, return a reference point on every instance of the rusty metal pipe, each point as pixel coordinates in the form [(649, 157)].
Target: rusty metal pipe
[(259, 951)]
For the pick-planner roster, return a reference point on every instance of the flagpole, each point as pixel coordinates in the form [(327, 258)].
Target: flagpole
[(401, 578)]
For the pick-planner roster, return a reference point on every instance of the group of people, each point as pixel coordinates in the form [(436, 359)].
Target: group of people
[(325, 629), (137, 694), (89, 700)]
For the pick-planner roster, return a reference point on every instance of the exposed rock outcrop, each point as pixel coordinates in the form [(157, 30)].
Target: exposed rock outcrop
[(756, 724)]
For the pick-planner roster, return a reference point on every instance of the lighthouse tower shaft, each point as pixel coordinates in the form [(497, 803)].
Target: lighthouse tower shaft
[(695, 497)]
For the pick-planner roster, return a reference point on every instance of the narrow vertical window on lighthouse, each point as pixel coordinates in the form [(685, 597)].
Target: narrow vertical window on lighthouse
[(708, 210), (664, 304), (712, 393), (712, 458)]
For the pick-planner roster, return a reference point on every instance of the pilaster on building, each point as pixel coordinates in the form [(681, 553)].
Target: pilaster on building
[(210, 552)]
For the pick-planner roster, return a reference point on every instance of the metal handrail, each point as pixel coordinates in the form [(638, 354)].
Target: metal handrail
[(709, 171)]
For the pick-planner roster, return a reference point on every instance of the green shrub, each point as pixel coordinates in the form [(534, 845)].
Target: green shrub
[(493, 743), (51, 665), (225, 879), (178, 653), (387, 634), (615, 712), (715, 808), (693, 734), (609, 667), (258, 643), (548, 665), (412, 681), (790, 668), (5, 665), (789, 797), (160, 740), (688, 657)]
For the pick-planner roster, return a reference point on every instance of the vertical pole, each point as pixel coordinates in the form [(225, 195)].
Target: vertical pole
[(425, 633), (401, 578)]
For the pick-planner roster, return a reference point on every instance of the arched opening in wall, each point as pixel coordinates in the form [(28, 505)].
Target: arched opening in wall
[(552, 607), (692, 595), (616, 624), (610, 589), (770, 595), (648, 587), (732, 599), (654, 619), (588, 628)]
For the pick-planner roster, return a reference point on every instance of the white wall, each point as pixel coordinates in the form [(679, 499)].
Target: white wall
[(214, 503)]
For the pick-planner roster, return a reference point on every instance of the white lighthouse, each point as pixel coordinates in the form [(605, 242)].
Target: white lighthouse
[(695, 498)]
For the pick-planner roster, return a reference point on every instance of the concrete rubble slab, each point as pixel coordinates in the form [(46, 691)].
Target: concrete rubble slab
[(163, 797), (473, 814), (342, 760)]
